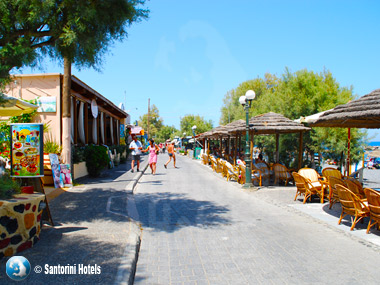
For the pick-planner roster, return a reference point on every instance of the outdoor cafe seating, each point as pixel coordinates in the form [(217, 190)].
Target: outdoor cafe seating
[(355, 187), (373, 198), (351, 205), (263, 171), (306, 188), (230, 171), (281, 174), (333, 192)]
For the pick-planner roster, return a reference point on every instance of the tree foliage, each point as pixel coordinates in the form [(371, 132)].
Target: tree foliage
[(165, 133), (155, 122), (302, 93), (79, 30), (188, 121)]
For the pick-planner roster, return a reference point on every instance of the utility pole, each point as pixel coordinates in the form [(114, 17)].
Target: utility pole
[(147, 131)]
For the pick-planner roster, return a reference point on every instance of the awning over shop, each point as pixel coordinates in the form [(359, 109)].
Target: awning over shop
[(15, 107)]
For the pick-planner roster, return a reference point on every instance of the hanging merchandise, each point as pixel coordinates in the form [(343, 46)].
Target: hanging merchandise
[(82, 136), (102, 127), (111, 130), (72, 119), (117, 132), (94, 131)]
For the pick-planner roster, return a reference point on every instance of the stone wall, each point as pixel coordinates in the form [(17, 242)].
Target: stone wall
[(20, 225)]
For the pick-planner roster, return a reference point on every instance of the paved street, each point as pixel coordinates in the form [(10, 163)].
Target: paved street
[(91, 228), (199, 229)]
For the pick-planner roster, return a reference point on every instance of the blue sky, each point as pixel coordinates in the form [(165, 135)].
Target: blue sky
[(188, 54)]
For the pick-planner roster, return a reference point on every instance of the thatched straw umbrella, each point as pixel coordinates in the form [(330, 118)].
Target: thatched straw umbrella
[(361, 113), (219, 133), (273, 123), (227, 135)]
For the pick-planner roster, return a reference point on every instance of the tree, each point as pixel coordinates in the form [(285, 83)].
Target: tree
[(188, 121), (165, 133), (155, 122), (79, 30), (76, 32), (302, 93)]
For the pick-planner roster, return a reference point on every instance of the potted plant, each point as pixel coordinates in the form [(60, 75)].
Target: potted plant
[(8, 187)]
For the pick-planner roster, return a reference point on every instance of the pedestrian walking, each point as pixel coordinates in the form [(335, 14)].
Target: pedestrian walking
[(171, 153), (136, 148), (153, 152)]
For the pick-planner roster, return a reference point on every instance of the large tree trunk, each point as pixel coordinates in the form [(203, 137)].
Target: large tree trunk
[(66, 115)]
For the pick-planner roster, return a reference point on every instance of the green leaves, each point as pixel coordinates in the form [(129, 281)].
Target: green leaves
[(297, 94), (188, 121), (78, 30), (155, 122)]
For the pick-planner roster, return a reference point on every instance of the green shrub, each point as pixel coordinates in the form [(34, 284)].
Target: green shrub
[(96, 159), (8, 187), (77, 153)]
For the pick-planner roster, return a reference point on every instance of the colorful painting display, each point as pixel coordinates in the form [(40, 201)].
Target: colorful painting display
[(27, 149), (66, 175), (122, 134), (56, 170), (47, 104)]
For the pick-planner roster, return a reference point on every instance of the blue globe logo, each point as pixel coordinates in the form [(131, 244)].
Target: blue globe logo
[(18, 268)]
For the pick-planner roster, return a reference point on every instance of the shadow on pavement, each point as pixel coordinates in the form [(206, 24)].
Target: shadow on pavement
[(346, 221), (62, 249), (164, 211), (89, 206), (109, 175)]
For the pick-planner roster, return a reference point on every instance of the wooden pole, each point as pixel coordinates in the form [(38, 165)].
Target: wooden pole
[(235, 148), (300, 151), (277, 148), (348, 153), (66, 112), (147, 131)]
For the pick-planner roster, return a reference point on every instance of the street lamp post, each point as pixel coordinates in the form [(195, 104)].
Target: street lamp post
[(182, 144), (246, 102), (194, 128)]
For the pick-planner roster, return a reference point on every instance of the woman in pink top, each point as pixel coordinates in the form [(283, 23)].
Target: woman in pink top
[(153, 151)]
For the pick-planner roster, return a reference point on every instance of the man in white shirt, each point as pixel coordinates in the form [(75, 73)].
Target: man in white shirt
[(136, 148)]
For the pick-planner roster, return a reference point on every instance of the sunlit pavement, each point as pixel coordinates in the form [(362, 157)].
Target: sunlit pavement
[(199, 229), (91, 228)]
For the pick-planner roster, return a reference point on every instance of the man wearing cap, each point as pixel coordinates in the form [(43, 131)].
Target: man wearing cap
[(136, 148)]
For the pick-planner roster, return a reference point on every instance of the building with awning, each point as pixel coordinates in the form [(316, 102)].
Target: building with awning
[(94, 118)]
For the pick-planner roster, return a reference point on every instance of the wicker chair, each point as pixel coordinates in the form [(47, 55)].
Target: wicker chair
[(373, 198), (333, 192), (300, 184), (351, 205), (219, 165), (213, 163), (205, 159), (314, 178), (263, 170), (355, 187), (281, 173), (230, 171), (255, 175), (330, 171), (309, 189)]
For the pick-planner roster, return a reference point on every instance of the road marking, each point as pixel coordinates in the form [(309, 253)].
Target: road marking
[(108, 207)]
